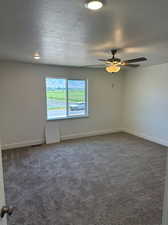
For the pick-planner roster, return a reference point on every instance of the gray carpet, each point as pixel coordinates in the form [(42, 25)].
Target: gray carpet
[(102, 180)]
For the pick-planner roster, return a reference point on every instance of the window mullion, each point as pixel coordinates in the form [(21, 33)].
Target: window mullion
[(67, 103), (86, 97)]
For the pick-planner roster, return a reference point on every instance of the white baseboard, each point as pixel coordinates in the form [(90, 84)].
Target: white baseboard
[(22, 144), (147, 137), (89, 134), (66, 137)]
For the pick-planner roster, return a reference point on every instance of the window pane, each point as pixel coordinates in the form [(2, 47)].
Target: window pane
[(56, 98), (76, 97)]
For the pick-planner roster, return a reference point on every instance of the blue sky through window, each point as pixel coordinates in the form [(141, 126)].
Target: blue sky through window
[(76, 84), (53, 83)]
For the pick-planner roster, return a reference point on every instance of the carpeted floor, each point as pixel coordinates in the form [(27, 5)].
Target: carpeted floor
[(103, 180)]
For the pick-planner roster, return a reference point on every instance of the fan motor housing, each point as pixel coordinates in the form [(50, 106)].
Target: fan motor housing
[(114, 60), (117, 60)]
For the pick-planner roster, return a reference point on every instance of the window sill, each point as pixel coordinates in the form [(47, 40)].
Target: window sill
[(69, 117)]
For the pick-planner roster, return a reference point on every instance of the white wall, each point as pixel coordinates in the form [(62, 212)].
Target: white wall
[(146, 103), (138, 102), (23, 109)]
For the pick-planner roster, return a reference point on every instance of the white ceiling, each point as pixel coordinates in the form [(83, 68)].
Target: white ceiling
[(64, 32)]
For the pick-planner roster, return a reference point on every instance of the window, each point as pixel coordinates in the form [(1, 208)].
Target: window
[(66, 98)]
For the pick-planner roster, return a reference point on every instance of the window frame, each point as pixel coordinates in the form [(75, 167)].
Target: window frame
[(86, 115)]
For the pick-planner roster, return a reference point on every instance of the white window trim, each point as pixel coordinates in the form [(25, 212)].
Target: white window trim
[(86, 115)]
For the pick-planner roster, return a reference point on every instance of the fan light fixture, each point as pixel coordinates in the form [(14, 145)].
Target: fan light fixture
[(113, 69), (94, 4), (36, 56), (114, 64)]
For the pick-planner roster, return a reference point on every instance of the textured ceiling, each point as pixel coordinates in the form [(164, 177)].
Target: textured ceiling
[(64, 32)]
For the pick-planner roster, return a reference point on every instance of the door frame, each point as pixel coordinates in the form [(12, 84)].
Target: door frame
[(3, 221)]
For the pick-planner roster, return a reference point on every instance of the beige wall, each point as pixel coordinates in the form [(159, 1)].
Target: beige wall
[(23, 109), (146, 103)]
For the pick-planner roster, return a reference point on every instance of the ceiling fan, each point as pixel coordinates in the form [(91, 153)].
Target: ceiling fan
[(114, 64)]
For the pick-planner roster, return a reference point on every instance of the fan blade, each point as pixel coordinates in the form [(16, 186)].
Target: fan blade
[(141, 59), (103, 60), (96, 66), (131, 65)]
